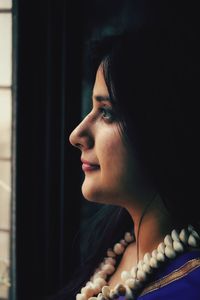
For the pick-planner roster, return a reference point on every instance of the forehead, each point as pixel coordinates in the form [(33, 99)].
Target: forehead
[(100, 87)]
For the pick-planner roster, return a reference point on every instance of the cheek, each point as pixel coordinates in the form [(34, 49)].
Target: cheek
[(110, 151), (113, 160), (115, 177)]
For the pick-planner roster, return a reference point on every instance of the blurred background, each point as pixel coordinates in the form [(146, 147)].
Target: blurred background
[(44, 93), (6, 85)]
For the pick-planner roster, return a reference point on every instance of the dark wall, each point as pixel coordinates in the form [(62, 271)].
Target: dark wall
[(49, 51)]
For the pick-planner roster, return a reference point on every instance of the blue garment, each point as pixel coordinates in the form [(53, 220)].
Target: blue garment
[(179, 279)]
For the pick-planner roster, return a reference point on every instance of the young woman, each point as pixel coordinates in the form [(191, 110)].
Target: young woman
[(138, 156)]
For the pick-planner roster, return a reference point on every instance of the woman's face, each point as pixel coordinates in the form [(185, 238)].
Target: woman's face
[(112, 174)]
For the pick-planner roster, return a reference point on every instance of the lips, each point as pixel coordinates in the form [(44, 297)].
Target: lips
[(88, 166)]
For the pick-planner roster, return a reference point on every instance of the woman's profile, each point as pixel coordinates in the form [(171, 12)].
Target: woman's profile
[(137, 147)]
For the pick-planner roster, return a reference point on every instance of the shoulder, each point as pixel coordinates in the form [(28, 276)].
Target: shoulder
[(180, 279)]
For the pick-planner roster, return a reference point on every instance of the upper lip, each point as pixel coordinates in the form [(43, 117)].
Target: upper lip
[(88, 162)]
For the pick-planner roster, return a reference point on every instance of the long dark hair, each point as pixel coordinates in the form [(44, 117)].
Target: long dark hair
[(151, 75)]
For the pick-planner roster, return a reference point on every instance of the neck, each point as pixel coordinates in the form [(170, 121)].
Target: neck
[(151, 223)]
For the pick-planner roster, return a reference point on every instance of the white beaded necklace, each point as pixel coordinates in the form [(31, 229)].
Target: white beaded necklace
[(134, 280)]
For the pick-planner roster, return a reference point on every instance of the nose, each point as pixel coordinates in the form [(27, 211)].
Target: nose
[(81, 137)]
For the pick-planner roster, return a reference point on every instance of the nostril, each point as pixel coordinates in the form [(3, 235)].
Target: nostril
[(78, 145), (81, 138)]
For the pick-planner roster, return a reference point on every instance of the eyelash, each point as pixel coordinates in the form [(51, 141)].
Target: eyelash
[(107, 114)]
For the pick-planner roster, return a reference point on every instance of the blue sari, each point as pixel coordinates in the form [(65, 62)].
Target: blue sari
[(179, 279)]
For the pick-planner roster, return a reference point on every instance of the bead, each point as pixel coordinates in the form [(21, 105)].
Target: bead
[(190, 228), (89, 291), (118, 248), (160, 257), (97, 270), (154, 262), (161, 248), (134, 279), (128, 294), (81, 297), (134, 271), (130, 283), (109, 269), (128, 237), (169, 252), (100, 296), (89, 283), (135, 284), (97, 288), (121, 290), (168, 240), (154, 253), (195, 235), (110, 260), (175, 235), (139, 265), (110, 253), (101, 265), (147, 268), (113, 294), (123, 242), (100, 274), (192, 241), (178, 246), (99, 282), (106, 291), (141, 275), (83, 290), (184, 235), (147, 257), (125, 275)]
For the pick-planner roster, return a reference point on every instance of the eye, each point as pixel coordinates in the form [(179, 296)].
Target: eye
[(107, 113)]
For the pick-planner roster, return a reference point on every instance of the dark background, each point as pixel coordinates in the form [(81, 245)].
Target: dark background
[(49, 80), (51, 92)]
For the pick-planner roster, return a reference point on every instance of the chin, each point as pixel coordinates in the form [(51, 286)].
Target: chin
[(99, 196), (88, 189), (93, 195), (87, 194)]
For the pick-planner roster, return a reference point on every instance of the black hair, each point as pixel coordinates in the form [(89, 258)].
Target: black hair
[(151, 74)]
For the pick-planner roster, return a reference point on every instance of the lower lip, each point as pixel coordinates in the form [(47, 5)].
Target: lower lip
[(89, 168)]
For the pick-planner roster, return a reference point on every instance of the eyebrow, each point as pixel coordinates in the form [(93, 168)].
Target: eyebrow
[(100, 98)]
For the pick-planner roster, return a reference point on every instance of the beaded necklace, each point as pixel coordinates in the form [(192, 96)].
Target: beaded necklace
[(133, 281)]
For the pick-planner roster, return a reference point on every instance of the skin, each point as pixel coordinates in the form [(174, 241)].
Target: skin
[(118, 180), (117, 177)]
